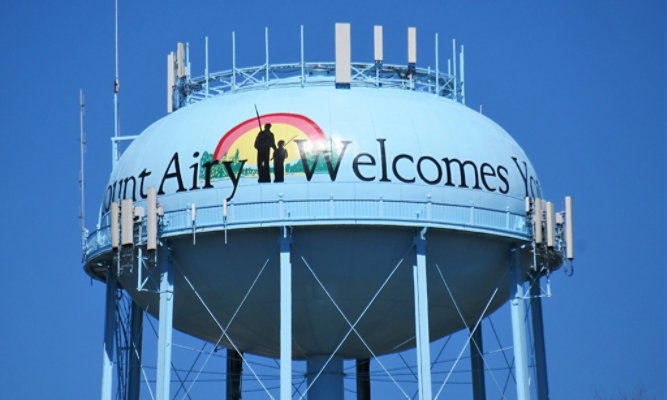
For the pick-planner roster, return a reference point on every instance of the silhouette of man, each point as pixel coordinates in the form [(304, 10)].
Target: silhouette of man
[(279, 156), (264, 142)]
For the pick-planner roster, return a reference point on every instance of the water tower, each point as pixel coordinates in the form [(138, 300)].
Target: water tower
[(312, 211)]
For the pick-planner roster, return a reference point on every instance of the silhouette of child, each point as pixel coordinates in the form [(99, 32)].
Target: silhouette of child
[(279, 156)]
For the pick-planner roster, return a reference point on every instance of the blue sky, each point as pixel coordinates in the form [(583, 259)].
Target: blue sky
[(579, 85)]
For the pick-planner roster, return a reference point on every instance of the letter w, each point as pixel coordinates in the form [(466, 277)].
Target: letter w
[(310, 170), (304, 160), (333, 171)]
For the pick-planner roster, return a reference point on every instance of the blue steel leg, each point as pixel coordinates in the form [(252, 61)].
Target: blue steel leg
[(477, 364), (109, 335), (518, 326), (421, 319), (538, 341), (285, 317), (165, 324), (330, 383), (363, 379), (234, 374), (136, 331)]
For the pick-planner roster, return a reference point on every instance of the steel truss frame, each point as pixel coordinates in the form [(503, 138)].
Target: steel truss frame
[(124, 346)]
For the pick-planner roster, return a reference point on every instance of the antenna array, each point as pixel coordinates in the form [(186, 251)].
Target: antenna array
[(183, 89)]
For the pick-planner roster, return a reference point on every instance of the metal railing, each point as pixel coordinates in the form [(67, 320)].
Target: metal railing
[(329, 212), (192, 90)]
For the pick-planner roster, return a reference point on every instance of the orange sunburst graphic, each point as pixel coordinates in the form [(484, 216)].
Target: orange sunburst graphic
[(244, 142), (285, 126)]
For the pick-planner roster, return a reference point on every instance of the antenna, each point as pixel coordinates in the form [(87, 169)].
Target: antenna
[(114, 225), (378, 51), (462, 72), (126, 222), (437, 67), (343, 56), (377, 41), (116, 88), (180, 61), (171, 81), (151, 219), (412, 46), (82, 141), (537, 220), (233, 61), (206, 65), (266, 51), (550, 224), (303, 64), (187, 60), (412, 55), (456, 96), (569, 237)]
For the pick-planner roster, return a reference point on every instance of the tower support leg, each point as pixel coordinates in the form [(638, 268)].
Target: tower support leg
[(165, 324), (477, 361), (234, 373), (109, 335), (285, 317), (363, 379), (136, 331), (538, 342), (421, 319), (329, 384), (518, 312)]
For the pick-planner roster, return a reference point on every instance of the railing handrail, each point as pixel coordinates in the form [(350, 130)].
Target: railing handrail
[(378, 75), (333, 211)]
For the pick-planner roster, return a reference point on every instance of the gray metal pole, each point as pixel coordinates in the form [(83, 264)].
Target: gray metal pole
[(518, 312), (477, 363), (234, 373), (136, 330), (363, 379), (166, 315), (538, 341), (109, 335)]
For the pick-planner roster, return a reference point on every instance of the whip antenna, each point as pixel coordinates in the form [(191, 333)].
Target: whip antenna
[(82, 142), (116, 87)]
